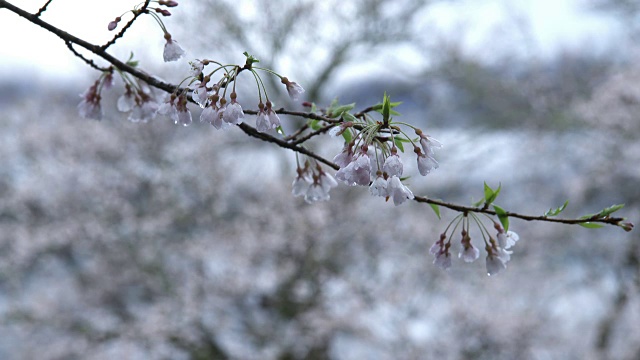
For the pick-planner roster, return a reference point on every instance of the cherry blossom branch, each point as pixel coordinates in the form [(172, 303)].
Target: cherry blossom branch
[(292, 142)]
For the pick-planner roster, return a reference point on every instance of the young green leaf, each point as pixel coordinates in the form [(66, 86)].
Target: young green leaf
[(338, 111), (610, 210), (386, 108), (488, 192), (436, 209), (347, 116), (590, 225), (502, 216), (491, 195), (556, 211), (314, 124), (398, 143), (347, 136)]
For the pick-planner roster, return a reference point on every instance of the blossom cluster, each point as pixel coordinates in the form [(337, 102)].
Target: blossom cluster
[(498, 254), (313, 183), (376, 164)]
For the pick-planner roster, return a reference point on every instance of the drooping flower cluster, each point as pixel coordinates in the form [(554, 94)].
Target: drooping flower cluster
[(375, 162), (139, 103), (497, 253), (313, 183), (89, 107)]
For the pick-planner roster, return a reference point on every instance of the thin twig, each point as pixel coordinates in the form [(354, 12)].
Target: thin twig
[(88, 61), (43, 8), (136, 13)]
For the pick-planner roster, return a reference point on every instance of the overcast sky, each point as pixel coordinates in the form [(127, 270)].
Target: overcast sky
[(27, 49)]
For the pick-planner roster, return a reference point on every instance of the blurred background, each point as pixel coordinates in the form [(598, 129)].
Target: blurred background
[(152, 241)]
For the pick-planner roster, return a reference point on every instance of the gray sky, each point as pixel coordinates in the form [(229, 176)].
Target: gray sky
[(550, 24)]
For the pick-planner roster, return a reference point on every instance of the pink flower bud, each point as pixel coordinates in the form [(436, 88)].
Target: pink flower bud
[(114, 24), (169, 3)]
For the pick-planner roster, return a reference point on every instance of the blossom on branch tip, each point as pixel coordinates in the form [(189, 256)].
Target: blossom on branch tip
[(301, 183), (441, 252), (429, 144), (468, 252), (345, 156), (398, 191), (196, 68), (89, 107), (126, 101), (144, 110), (425, 163), (379, 187), (358, 171), (494, 264), (175, 108), (319, 190), (233, 113), (293, 89), (172, 51), (200, 95), (507, 239), (497, 257), (267, 119), (393, 165)]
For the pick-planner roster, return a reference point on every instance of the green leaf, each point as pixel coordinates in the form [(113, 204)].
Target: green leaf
[(386, 108), (314, 108), (491, 195), (347, 116), (436, 209), (502, 216), (610, 210), (590, 225), (398, 143), (478, 203), (314, 124), (336, 112), (250, 58), (347, 136), (488, 192), (556, 211)]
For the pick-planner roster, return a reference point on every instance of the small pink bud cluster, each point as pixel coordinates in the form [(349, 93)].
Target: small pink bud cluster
[(313, 183)]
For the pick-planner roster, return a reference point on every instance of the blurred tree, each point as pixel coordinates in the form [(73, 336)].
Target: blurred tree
[(286, 34)]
